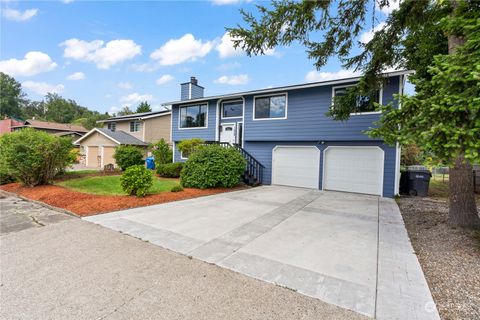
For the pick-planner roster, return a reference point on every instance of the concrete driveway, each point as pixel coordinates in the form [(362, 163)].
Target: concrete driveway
[(345, 249)]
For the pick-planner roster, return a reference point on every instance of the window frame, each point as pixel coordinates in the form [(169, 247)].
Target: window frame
[(190, 105), (380, 99), (112, 124), (270, 95), (182, 157), (231, 101), (135, 122)]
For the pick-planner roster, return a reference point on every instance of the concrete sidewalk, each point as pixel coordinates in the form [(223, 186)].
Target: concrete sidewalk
[(349, 250), (55, 266)]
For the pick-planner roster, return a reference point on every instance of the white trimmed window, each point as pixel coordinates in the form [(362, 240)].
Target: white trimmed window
[(112, 126), (270, 107), (232, 109), (135, 126), (364, 104), (194, 116)]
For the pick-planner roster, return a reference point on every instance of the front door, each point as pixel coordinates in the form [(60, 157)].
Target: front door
[(227, 133)]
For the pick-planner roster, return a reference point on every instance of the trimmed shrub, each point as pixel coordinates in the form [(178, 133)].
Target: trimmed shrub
[(34, 157), (162, 152), (187, 147), (6, 176), (136, 180), (176, 188), (127, 156), (213, 166), (170, 170)]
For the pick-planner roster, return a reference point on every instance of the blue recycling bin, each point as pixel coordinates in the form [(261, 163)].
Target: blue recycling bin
[(150, 163)]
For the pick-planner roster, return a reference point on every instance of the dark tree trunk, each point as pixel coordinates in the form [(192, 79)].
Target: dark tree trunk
[(462, 209), (462, 206)]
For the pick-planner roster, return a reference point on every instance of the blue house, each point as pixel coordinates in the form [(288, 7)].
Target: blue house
[(287, 138)]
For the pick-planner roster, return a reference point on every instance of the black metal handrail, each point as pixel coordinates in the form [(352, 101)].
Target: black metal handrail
[(253, 170)]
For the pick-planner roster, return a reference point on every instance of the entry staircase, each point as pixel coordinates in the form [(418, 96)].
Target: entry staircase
[(253, 174)]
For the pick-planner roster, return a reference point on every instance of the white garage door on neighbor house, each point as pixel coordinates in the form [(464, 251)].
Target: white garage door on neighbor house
[(354, 169), (297, 166)]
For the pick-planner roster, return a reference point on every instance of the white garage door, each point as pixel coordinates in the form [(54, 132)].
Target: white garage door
[(296, 166), (354, 169)]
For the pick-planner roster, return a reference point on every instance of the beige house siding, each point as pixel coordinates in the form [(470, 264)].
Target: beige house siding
[(97, 139), (155, 128), (158, 128), (93, 146), (125, 127)]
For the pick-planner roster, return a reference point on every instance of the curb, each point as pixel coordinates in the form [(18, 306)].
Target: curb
[(43, 204)]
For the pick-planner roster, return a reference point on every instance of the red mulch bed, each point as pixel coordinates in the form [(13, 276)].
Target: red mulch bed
[(84, 204)]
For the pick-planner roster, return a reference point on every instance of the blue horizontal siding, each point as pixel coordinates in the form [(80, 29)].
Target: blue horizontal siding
[(262, 151), (307, 119), (207, 134)]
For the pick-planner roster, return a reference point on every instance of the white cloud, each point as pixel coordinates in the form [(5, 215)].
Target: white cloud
[(76, 76), (225, 47), (104, 55), (229, 66), (17, 15), (233, 80), (315, 76), (42, 88), (184, 49), (125, 85), (164, 79), (393, 5), (368, 35), (226, 50), (67, 1), (34, 62), (145, 67), (136, 98)]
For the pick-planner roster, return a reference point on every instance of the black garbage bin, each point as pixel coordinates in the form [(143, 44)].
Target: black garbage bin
[(418, 182)]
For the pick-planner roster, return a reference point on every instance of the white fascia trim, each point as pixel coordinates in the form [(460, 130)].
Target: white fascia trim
[(398, 151), (194, 104), (356, 147), (292, 87), (270, 95), (156, 115), (95, 130)]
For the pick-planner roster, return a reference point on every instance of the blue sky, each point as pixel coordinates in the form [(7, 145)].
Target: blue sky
[(109, 54)]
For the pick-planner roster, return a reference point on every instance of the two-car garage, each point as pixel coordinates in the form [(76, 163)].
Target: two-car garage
[(358, 169)]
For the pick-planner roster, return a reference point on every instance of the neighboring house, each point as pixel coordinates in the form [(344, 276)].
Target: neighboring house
[(98, 145), (147, 126), (60, 129), (288, 139), (7, 124)]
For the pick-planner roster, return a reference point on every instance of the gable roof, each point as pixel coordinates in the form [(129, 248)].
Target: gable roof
[(283, 88), (137, 116), (119, 137), (52, 126)]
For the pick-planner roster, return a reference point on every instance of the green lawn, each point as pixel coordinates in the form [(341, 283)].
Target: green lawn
[(110, 185), (438, 188), (69, 173)]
